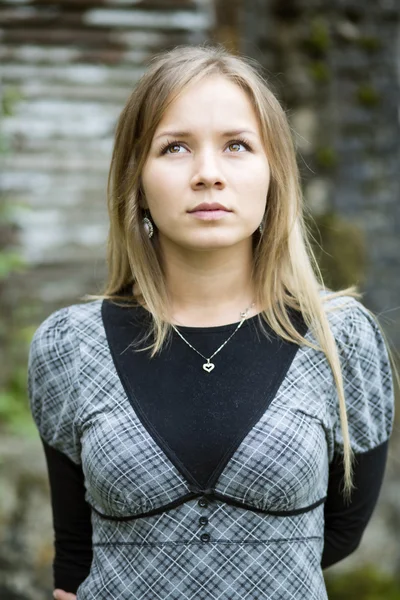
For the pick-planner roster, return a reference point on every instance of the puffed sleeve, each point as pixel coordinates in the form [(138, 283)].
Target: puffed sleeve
[(368, 382), (53, 384), (368, 388)]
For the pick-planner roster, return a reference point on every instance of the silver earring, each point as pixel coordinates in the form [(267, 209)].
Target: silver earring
[(148, 226), (261, 227)]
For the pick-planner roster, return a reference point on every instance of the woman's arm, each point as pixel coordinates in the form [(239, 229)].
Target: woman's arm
[(346, 522), (71, 521)]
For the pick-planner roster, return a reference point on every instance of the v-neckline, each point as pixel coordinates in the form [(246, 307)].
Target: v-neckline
[(272, 387)]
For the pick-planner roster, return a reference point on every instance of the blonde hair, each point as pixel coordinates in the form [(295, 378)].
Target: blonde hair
[(285, 272)]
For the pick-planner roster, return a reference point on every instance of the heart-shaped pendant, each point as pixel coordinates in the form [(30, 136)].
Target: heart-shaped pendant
[(208, 367)]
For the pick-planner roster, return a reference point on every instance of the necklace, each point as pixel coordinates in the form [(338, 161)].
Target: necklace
[(209, 366)]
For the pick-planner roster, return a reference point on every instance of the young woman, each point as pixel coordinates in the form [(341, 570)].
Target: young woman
[(216, 422)]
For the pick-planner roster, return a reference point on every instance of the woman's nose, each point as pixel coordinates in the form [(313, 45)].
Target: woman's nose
[(207, 172)]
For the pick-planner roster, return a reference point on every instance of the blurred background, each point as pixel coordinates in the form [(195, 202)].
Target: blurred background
[(66, 70)]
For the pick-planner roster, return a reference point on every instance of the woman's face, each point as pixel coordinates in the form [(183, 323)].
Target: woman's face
[(207, 149)]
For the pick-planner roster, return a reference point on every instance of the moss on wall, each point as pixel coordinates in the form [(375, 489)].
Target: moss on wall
[(326, 157), (15, 335), (340, 249), (370, 43), (318, 41), (368, 96), (319, 71)]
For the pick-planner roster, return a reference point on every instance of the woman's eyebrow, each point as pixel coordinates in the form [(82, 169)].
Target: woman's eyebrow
[(187, 134)]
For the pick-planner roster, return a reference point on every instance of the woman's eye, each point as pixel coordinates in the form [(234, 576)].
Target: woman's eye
[(235, 146), (173, 149)]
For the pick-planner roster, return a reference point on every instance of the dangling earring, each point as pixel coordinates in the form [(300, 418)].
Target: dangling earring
[(261, 227), (148, 225)]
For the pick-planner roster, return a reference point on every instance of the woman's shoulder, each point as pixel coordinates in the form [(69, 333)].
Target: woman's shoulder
[(366, 372), (77, 310), (348, 316), (54, 352), (358, 333), (338, 303), (54, 375), (62, 323)]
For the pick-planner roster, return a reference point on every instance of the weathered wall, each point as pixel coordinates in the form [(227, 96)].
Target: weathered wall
[(26, 535), (336, 68)]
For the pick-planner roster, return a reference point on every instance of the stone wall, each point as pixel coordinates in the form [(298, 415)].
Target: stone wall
[(26, 534), (335, 66)]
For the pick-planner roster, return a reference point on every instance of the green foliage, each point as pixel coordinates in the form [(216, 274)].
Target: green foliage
[(6, 212), (15, 415), (9, 98), (319, 71), (10, 262), (319, 39), (366, 583), (368, 96), (339, 247), (4, 145), (14, 409), (326, 157), (370, 43)]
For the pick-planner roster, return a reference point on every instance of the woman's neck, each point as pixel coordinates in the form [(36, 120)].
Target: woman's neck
[(208, 289), (210, 318)]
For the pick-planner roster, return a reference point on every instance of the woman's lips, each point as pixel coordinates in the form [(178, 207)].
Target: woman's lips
[(209, 215)]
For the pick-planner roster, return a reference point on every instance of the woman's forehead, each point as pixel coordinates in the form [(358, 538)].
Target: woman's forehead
[(214, 102)]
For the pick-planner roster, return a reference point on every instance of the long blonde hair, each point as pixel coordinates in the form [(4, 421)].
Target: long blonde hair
[(285, 272)]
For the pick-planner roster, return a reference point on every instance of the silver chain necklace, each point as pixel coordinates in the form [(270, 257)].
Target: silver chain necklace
[(209, 366)]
